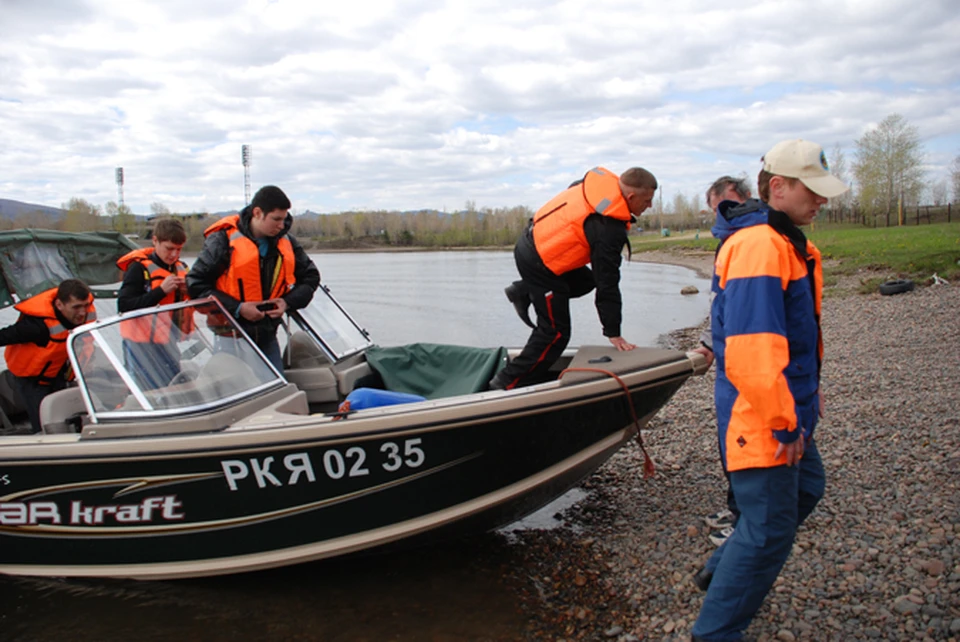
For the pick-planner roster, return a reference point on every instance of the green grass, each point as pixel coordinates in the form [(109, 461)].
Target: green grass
[(649, 242), (914, 252)]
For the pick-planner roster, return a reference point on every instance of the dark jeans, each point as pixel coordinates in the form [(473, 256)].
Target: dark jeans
[(551, 296), (731, 499), (271, 348), (152, 365), (773, 503), (33, 393)]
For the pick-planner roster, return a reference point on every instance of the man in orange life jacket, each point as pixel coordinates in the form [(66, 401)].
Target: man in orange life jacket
[(585, 224), (37, 343), (154, 277), (768, 288), (256, 268)]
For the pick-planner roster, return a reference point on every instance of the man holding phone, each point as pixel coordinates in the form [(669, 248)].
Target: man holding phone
[(153, 277), (256, 268)]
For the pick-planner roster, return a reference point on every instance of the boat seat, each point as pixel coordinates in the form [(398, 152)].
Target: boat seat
[(302, 352), (228, 373), (62, 411), (308, 368), (347, 377), (223, 375), (318, 382)]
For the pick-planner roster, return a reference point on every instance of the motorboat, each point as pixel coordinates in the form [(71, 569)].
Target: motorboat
[(231, 465)]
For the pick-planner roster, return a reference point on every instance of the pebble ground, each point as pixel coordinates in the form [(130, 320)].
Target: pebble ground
[(879, 559)]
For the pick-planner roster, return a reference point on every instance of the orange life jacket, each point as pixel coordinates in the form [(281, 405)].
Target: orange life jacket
[(155, 328), (49, 361), (558, 226), (242, 279)]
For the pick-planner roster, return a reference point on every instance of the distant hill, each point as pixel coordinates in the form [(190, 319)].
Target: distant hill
[(10, 209)]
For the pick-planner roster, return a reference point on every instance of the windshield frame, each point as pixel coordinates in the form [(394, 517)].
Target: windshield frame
[(98, 330), (359, 343)]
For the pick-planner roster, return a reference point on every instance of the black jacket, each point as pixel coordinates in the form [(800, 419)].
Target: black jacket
[(136, 291), (214, 259), (31, 329), (607, 237)]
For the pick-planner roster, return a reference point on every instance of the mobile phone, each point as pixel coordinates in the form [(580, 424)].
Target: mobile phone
[(266, 305)]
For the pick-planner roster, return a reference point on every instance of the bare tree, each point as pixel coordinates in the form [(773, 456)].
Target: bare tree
[(159, 209), (681, 205), (123, 219), (888, 165), (938, 192), (81, 215), (838, 167), (955, 178)]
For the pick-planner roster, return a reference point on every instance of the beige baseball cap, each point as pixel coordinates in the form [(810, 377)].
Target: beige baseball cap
[(806, 161)]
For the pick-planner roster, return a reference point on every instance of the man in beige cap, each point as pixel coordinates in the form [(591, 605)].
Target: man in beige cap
[(768, 348)]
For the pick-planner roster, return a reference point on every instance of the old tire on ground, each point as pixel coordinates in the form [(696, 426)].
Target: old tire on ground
[(896, 287)]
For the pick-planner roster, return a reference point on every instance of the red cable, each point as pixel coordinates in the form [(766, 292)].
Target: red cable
[(648, 468)]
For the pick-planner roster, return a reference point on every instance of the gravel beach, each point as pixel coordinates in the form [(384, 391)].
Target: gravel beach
[(879, 559)]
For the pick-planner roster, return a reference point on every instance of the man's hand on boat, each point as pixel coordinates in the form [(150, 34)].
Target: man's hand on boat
[(706, 352), (621, 344), (256, 310)]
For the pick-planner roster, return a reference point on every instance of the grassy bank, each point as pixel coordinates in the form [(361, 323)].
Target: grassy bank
[(915, 252)]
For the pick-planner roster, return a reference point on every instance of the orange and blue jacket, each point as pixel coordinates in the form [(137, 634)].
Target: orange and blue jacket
[(558, 233), (768, 285), (155, 328), (45, 363)]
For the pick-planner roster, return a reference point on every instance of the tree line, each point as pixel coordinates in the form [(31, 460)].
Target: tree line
[(886, 173)]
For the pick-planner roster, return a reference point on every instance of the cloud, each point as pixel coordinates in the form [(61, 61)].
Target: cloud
[(405, 104)]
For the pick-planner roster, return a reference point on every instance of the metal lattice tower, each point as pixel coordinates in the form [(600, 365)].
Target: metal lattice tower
[(119, 176), (245, 155)]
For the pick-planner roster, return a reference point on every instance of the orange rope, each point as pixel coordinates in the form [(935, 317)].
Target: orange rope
[(648, 468), (343, 411)]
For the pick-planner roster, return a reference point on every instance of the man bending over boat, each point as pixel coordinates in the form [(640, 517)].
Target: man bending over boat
[(256, 268), (36, 351), (585, 224), (154, 277)]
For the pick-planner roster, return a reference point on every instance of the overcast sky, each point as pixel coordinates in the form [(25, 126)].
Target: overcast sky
[(371, 104)]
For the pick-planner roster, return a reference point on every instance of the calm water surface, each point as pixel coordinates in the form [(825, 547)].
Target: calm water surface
[(449, 592), (457, 297)]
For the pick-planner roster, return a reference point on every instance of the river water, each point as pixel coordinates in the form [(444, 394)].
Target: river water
[(456, 591), (457, 297)]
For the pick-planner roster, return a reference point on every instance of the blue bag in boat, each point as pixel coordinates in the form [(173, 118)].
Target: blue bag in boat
[(362, 398)]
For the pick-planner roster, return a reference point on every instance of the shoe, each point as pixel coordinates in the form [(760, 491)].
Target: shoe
[(720, 536), (517, 295), (496, 383), (723, 519), (702, 578)]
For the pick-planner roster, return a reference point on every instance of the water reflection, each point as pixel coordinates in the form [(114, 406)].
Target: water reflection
[(453, 591)]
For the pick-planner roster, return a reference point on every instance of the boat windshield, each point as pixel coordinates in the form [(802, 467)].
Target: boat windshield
[(330, 327), (168, 360)]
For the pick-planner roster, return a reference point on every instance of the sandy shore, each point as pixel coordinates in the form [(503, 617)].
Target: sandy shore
[(702, 262), (879, 559)]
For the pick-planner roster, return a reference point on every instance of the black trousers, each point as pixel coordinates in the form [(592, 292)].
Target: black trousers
[(33, 393), (551, 296)]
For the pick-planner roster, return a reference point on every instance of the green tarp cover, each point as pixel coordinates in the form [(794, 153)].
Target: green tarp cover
[(434, 370), (32, 261)]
